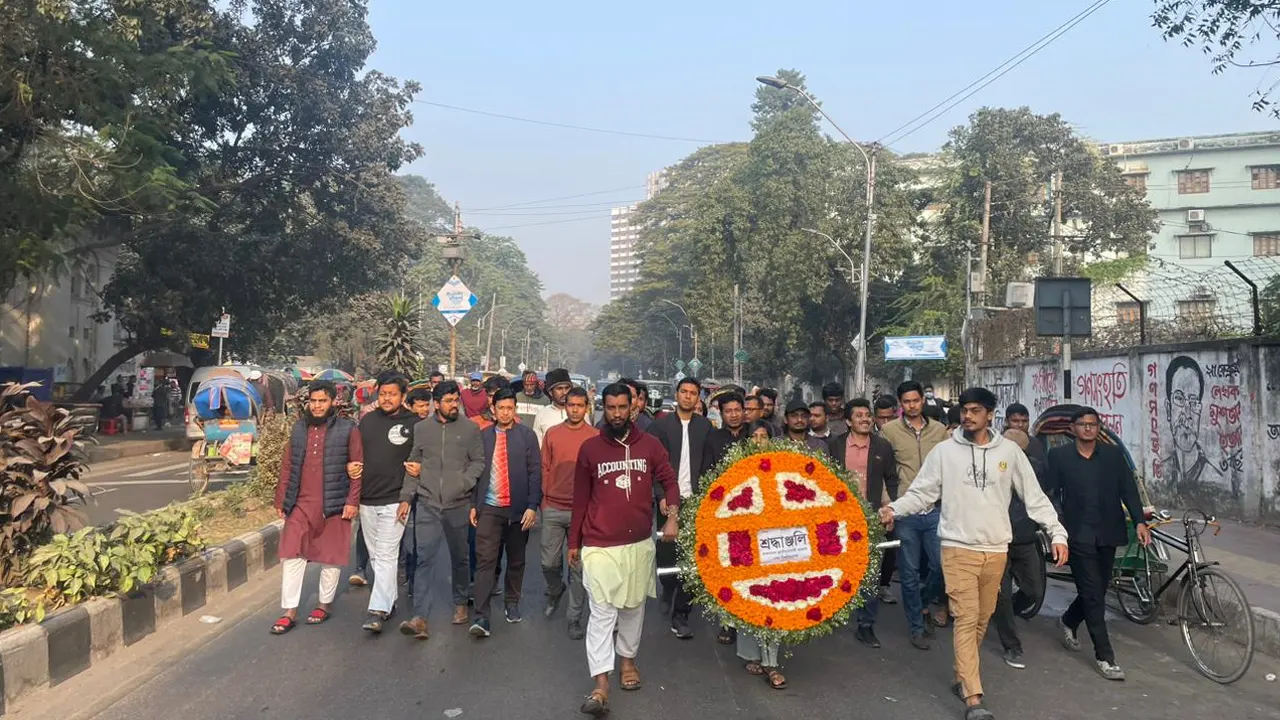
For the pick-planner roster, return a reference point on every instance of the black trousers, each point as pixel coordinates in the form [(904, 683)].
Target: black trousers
[(496, 530), (1021, 566), (672, 587), (888, 563), (1091, 569)]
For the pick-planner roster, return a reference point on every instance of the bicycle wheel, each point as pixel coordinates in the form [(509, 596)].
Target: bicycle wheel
[(1214, 603), (1136, 597), (198, 476)]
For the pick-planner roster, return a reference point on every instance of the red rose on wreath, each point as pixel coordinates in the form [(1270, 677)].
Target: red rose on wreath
[(766, 465)]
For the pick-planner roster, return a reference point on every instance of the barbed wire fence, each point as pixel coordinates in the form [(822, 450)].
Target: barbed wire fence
[(1159, 304)]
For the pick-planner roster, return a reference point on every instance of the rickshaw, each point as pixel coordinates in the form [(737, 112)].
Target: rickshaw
[(228, 408), (1135, 564)]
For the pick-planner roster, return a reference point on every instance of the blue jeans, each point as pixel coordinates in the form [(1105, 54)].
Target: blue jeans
[(409, 546), (918, 533)]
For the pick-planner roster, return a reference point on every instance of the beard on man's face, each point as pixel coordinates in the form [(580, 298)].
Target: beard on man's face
[(313, 419), (451, 414), (618, 429)]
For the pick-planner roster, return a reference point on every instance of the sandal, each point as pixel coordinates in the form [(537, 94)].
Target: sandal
[(754, 668), (283, 625), (630, 679), (727, 636), (596, 704), (317, 616), (775, 678)]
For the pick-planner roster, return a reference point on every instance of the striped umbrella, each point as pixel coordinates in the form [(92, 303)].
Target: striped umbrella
[(335, 375)]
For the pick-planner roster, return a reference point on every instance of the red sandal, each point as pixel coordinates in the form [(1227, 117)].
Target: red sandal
[(283, 625), (317, 616)]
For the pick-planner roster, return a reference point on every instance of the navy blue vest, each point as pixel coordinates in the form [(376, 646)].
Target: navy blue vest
[(337, 437)]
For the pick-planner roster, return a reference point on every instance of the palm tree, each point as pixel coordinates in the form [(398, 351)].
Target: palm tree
[(398, 345)]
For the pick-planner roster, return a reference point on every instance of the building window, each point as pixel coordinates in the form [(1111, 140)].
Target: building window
[(1199, 309), (1266, 244), (1191, 182), (1266, 177), (75, 284), (1192, 247), (71, 332), (85, 332), (1136, 180), (1128, 313)]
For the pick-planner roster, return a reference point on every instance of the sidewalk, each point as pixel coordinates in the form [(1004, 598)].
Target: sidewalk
[(114, 447), (1251, 555)]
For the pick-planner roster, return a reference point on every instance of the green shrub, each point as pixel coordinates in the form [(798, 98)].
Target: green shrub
[(273, 436), (41, 462), (17, 606), (96, 562)]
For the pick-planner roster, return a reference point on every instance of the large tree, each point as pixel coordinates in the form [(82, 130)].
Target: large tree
[(741, 214), (1233, 33), (91, 94), (293, 206), (1018, 152)]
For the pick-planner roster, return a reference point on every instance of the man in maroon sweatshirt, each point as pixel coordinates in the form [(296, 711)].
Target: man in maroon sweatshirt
[(611, 536)]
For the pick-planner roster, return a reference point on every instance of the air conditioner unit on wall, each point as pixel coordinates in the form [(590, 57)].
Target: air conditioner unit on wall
[(1019, 295), (1115, 149), (1187, 144), (1195, 216)]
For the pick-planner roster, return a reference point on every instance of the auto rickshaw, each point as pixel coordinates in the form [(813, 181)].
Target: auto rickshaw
[(228, 408)]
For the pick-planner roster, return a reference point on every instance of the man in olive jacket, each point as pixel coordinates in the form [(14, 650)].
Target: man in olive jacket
[(449, 456)]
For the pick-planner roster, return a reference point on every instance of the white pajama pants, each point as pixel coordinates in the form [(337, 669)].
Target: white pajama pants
[(602, 647), (382, 533), (292, 573)]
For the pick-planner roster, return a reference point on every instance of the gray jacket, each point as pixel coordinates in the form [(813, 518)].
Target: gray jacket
[(452, 457)]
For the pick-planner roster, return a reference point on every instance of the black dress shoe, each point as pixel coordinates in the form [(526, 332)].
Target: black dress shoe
[(867, 636)]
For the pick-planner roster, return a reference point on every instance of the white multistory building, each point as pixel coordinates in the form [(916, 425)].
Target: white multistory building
[(624, 237)]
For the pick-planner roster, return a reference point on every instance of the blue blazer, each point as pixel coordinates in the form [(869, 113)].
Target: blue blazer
[(524, 469)]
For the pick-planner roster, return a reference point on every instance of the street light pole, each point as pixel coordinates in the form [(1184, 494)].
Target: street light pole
[(693, 332), (860, 373)]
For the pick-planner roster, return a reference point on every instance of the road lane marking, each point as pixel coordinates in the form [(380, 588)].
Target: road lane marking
[(126, 483), (158, 471)]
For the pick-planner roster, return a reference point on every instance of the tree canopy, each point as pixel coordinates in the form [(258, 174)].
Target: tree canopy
[(1233, 33), (253, 149)]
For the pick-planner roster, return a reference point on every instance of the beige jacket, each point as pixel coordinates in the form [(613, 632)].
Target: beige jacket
[(910, 447)]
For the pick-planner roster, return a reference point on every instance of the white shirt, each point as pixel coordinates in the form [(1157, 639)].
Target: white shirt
[(684, 476), (548, 417)]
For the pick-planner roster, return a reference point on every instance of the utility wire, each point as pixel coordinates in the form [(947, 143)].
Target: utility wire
[(928, 116), (567, 126)]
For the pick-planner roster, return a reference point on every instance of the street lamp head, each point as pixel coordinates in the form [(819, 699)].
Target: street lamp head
[(774, 82)]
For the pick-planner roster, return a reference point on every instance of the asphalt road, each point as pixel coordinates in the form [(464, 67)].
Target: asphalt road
[(138, 483), (531, 671)]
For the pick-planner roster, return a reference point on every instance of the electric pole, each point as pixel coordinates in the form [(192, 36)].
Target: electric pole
[(983, 248), (453, 254), (1058, 247)]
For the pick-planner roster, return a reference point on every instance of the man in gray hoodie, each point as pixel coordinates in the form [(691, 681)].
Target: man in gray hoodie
[(450, 456), (975, 473)]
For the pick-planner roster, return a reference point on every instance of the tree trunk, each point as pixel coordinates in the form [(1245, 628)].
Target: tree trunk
[(86, 391)]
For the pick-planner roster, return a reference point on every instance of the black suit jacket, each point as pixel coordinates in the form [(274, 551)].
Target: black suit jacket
[(882, 469), (1108, 479), (670, 432)]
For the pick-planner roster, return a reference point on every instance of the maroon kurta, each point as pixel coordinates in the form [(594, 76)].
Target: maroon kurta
[(307, 532)]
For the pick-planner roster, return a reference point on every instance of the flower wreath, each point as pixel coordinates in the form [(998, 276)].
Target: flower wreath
[(779, 543)]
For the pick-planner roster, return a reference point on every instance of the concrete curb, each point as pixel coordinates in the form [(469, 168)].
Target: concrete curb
[(70, 641), (133, 448)]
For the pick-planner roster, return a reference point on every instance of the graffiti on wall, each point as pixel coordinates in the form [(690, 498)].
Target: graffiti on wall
[(1044, 388), (1105, 390), (1197, 437)]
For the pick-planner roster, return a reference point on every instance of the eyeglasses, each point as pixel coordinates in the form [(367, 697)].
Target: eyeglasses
[(1087, 425)]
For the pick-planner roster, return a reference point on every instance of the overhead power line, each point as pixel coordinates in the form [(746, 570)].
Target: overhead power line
[(929, 116), (568, 126), (562, 197)]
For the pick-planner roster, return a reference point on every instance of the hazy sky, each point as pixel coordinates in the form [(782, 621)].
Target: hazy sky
[(686, 70)]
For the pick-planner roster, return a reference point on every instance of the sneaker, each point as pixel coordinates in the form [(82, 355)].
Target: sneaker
[(867, 636), (357, 579), (576, 631), (480, 628), (928, 626), (1013, 658), (553, 603), (920, 641), (1068, 637), (374, 623), (680, 627), (1109, 670), (887, 597), (513, 614)]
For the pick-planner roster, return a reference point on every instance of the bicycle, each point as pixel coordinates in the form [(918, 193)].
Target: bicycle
[(1140, 580), (1197, 607)]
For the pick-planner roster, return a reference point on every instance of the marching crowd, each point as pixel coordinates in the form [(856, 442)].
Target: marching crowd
[(476, 468)]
